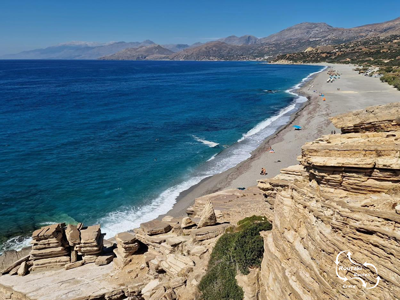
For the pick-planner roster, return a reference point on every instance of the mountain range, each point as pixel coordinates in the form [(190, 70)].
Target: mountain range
[(293, 39)]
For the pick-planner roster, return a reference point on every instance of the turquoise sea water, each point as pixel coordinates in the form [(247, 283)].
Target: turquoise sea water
[(116, 142)]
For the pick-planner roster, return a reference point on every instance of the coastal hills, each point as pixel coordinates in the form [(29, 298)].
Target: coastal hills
[(152, 52), (77, 50), (369, 54), (293, 39)]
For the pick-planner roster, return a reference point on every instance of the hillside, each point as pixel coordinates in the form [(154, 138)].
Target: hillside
[(221, 51), (152, 52), (377, 52), (243, 40), (324, 34)]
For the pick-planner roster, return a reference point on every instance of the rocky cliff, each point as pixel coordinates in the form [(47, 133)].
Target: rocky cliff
[(336, 216)]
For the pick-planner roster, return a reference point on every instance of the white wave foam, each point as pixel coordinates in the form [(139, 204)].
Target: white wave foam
[(119, 221), (267, 122), (16, 243), (212, 157), (299, 99), (205, 142)]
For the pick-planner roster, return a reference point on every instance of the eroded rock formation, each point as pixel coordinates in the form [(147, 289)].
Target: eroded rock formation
[(341, 199)]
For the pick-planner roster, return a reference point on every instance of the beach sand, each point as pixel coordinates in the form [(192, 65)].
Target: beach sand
[(356, 92)]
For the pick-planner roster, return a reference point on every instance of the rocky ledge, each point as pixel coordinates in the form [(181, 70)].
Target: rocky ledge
[(343, 198)]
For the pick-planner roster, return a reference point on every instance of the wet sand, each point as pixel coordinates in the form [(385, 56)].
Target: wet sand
[(356, 92)]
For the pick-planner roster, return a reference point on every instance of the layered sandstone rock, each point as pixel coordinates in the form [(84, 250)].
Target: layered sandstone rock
[(127, 245), (49, 247), (341, 199), (374, 118), (91, 243)]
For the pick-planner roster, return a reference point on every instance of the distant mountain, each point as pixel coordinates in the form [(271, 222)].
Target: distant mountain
[(152, 52), (319, 34), (175, 47), (293, 39), (219, 51), (243, 40), (77, 50)]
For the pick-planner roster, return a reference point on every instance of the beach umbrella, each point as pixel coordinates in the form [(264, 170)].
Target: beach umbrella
[(297, 127)]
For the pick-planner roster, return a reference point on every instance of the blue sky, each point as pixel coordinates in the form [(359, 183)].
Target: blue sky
[(27, 24)]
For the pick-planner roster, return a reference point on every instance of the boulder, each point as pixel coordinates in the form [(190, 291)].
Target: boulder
[(198, 250), (155, 227), (104, 260), (167, 219), (73, 235), (23, 269), (208, 216), (151, 286), (187, 222), (174, 241), (209, 232), (14, 271), (74, 265), (74, 256)]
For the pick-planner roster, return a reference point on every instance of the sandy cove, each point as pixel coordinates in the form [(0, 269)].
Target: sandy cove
[(356, 92)]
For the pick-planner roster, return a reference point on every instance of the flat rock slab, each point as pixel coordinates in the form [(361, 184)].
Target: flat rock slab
[(155, 227), (61, 284), (47, 231), (104, 260), (209, 232), (90, 234), (126, 238)]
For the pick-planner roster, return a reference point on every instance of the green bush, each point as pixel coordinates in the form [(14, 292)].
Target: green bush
[(241, 249), (249, 248)]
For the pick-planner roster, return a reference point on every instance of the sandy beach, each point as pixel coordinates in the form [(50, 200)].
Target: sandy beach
[(356, 92)]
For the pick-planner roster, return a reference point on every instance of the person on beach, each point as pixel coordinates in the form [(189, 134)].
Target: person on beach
[(263, 171)]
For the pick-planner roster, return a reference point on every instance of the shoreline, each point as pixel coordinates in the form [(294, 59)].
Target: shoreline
[(293, 108), (313, 116), (221, 181)]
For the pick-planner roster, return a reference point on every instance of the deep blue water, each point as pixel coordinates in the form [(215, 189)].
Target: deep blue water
[(115, 142)]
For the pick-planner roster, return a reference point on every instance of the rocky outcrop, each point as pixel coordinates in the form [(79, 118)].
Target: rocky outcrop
[(91, 243), (56, 246), (372, 119), (336, 212), (127, 245), (207, 216), (49, 248)]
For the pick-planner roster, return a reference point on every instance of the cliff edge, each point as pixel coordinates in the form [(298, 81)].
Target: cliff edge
[(336, 216)]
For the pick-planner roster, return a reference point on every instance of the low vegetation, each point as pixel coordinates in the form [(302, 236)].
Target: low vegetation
[(238, 250)]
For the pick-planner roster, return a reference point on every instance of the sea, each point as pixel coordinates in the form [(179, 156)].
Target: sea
[(116, 142)]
